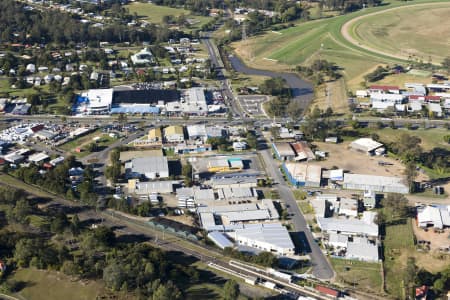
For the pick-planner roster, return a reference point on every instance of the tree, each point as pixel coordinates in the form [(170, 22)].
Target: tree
[(92, 147), (447, 138), (446, 64), (396, 203), (295, 110), (75, 225), (122, 119), (411, 174), (231, 290), (251, 140), (105, 236), (22, 210), (167, 292), (410, 277), (439, 285), (114, 276), (186, 171)]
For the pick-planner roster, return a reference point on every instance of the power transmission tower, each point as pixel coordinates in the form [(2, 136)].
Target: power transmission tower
[(245, 40)]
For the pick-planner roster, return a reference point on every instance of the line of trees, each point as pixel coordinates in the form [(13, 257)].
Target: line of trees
[(91, 254)]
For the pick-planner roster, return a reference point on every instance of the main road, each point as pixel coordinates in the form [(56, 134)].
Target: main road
[(320, 265)]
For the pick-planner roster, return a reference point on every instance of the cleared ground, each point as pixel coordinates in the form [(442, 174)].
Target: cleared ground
[(341, 156), (361, 275), (418, 32), (332, 95)]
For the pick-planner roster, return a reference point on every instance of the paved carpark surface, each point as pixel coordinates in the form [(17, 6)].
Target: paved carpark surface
[(252, 104)]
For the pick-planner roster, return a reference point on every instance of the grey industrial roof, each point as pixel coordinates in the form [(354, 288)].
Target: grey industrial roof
[(304, 172), (154, 187), (284, 149), (374, 180), (362, 249), (366, 143), (268, 204), (353, 226), (229, 208), (220, 239), (207, 219), (275, 234), (155, 164), (237, 192), (242, 216)]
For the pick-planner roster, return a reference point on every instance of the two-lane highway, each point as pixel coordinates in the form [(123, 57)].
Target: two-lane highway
[(320, 265)]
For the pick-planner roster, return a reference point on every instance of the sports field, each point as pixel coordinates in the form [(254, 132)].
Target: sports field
[(307, 41), (155, 13), (419, 32)]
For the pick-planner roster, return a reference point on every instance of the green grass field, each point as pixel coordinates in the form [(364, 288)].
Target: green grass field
[(410, 31), (307, 41), (359, 274), (155, 13), (84, 141), (49, 285), (431, 138), (398, 244)]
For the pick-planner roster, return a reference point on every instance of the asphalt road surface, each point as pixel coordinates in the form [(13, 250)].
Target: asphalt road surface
[(320, 265)]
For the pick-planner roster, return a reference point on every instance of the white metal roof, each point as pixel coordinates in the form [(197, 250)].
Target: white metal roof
[(362, 249), (154, 187), (197, 130), (99, 98), (304, 172), (38, 157), (220, 239), (144, 165), (438, 215), (245, 216), (351, 226), (374, 180), (366, 143), (276, 235)]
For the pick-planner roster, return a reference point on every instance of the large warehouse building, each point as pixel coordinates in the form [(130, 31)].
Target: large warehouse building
[(300, 174), (375, 183), (272, 238), (151, 101), (150, 167), (368, 146)]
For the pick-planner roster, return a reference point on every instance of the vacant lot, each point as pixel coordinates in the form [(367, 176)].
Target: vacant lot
[(362, 275), (332, 95), (431, 138), (155, 13), (410, 32), (40, 284), (341, 156), (104, 140)]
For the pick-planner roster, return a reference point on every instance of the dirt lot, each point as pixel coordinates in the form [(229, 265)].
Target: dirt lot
[(356, 162), (438, 240)]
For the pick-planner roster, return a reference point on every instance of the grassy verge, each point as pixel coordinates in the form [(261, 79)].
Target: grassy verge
[(50, 285), (358, 274), (305, 207), (398, 243)]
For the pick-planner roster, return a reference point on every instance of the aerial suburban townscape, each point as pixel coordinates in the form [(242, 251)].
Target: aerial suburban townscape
[(205, 149)]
